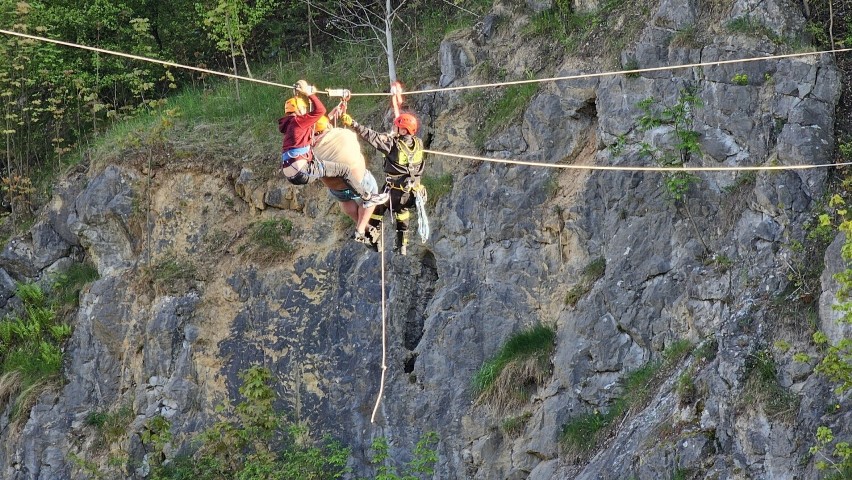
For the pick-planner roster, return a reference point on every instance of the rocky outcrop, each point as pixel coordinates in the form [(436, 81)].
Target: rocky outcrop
[(508, 244)]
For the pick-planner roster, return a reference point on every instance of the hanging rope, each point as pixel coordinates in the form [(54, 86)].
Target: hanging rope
[(420, 196), (384, 317)]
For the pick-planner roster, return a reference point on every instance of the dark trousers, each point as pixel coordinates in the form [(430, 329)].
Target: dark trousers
[(401, 203)]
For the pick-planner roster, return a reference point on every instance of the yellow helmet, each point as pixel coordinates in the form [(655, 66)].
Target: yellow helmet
[(321, 124), (295, 105)]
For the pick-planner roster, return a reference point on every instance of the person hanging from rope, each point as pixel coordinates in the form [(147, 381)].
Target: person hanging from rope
[(297, 162), (339, 145), (403, 166)]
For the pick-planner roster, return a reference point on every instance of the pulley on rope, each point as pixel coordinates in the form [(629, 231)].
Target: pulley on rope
[(338, 111)]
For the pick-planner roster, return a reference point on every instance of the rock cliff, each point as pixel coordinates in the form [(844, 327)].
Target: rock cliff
[(717, 269)]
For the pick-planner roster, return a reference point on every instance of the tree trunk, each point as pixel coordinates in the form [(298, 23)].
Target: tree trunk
[(233, 59), (310, 33), (389, 42), (245, 61)]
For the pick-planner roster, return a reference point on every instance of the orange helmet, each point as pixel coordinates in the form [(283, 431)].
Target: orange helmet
[(321, 125), (295, 105), (406, 121)]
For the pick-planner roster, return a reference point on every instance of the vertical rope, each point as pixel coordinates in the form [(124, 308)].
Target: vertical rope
[(384, 318)]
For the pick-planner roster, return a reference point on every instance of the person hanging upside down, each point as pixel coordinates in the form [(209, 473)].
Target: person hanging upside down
[(404, 164), (297, 162)]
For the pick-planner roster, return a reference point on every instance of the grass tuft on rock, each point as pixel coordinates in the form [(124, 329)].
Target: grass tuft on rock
[(522, 364)]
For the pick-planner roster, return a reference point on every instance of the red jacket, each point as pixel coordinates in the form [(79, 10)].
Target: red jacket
[(297, 128)]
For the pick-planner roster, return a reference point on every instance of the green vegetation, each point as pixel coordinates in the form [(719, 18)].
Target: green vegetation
[(420, 466), (629, 65), (437, 187), (678, 117), (762, 387), (740, 79), (67, 285), (256, 443), (572, 28), (682, 473), (743, 180), (583, 433), (251, 442), (66, 99), (685, 387), (833, 456), (591, 274), (720, 261), (111, 425), (686, 37), (747, 25), (170, 274), (502, 111), (844, 148), (706, 350), (510, 377), (514, 426), (30, 347), (268, 240)]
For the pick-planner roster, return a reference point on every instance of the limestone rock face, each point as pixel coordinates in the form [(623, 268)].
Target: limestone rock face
[(510, 244)]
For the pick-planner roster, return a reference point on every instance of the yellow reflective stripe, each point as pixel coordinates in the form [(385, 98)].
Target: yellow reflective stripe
[(373, 216), (403, 216)]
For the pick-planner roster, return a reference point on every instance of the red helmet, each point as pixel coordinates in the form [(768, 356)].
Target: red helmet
[(406, 121)]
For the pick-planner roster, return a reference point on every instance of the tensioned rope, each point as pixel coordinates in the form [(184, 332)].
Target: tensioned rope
[(430, 90), (144, 59), (638, 168), (615, 72)]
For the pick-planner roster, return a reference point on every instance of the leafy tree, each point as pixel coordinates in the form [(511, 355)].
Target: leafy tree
[(421, 465), (230, 24), (257, 443)]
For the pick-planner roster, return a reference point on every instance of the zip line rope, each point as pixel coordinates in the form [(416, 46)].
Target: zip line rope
[(144, 59), (638, 168), (616, 72), (431, 90)]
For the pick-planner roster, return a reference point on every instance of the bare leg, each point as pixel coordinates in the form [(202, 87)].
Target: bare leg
[(363, 217), (351, 208)]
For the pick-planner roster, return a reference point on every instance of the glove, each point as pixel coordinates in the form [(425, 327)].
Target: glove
[(347, 120), (302, 88)]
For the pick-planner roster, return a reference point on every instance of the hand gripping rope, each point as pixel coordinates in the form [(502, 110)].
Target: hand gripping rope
[(396, 97)]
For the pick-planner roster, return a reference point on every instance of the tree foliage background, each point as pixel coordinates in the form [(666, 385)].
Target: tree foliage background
[(54, 97)]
